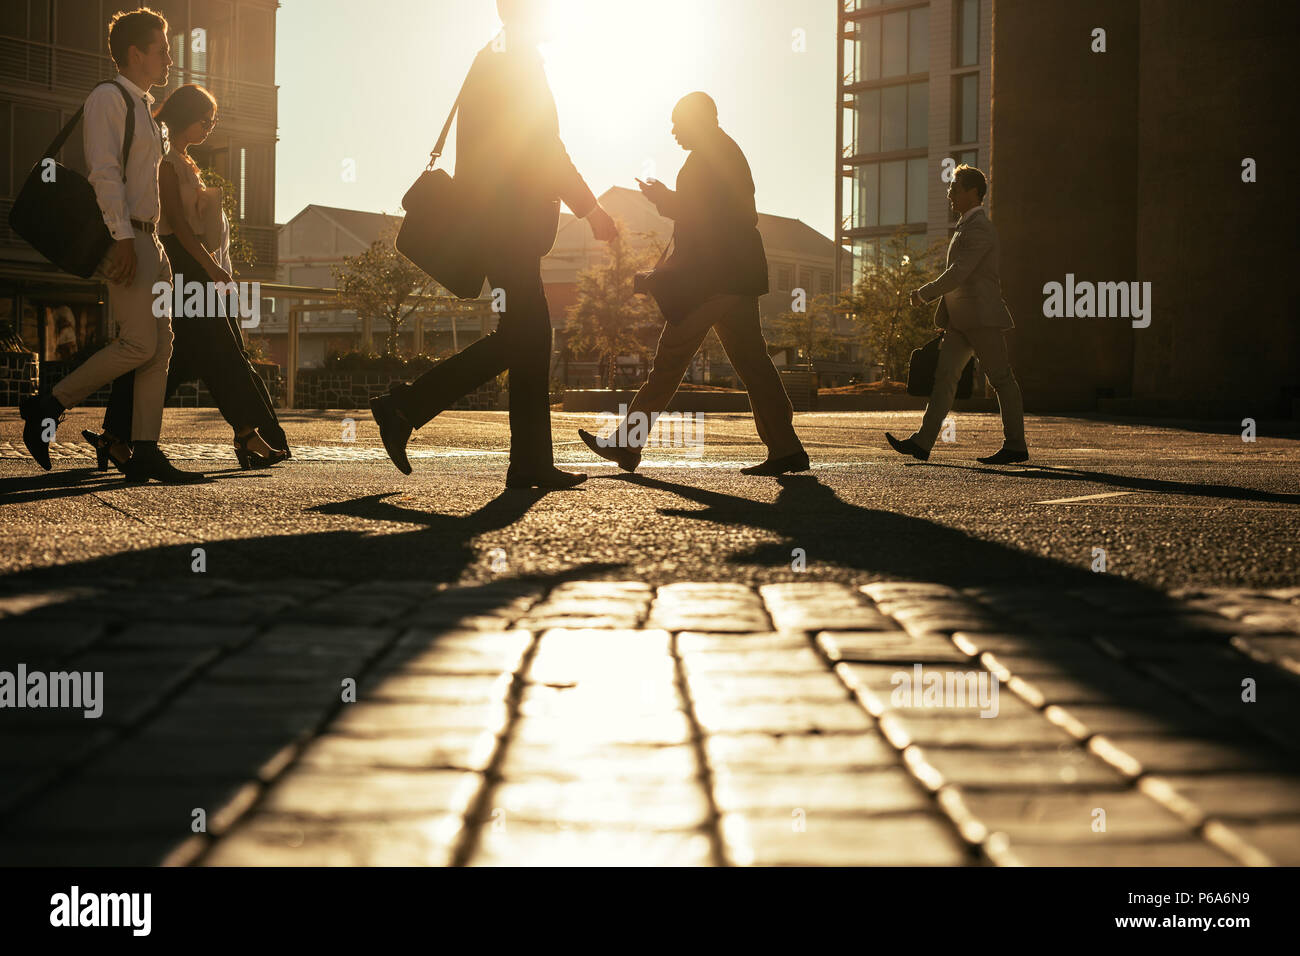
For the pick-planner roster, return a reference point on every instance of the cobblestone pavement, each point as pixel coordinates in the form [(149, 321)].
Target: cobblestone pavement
[(579, 721)]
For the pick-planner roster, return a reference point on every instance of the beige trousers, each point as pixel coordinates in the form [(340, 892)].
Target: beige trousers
[(143, 343), (736, 319), (989, 345)]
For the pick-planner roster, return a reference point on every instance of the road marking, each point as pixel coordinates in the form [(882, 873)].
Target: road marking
[(1107, 494)]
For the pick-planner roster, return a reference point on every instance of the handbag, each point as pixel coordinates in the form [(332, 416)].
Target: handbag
[(923, 365), (57, 211), (434, 234)]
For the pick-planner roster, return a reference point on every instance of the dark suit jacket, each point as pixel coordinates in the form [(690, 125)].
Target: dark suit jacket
[(717, 246), (509, 156)]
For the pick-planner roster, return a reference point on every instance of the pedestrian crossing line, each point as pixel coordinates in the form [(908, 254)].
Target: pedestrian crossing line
[(1105, 494)]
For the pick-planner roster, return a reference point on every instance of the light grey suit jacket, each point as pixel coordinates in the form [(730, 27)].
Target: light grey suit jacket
[(970, 288)]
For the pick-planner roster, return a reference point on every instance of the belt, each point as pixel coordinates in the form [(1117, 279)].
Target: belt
[(143, 226)]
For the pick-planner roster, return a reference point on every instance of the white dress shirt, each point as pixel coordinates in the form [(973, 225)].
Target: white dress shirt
[(105, 127), (968, 213)]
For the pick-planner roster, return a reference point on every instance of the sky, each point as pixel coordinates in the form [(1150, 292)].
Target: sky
[(366, 86)]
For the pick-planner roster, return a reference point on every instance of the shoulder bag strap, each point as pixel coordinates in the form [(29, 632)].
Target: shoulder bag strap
[(446, 127), (57, 143)]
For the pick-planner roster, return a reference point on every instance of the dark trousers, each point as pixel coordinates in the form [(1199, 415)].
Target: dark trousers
[(521, 345), (210, 348)]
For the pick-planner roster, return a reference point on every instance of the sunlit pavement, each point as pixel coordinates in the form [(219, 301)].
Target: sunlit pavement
[(881, 663)]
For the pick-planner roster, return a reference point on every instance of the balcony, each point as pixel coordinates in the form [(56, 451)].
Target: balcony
[(74, 72)]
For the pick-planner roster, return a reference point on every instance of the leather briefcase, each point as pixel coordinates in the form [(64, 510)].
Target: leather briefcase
[(57, 211), (924, 364)]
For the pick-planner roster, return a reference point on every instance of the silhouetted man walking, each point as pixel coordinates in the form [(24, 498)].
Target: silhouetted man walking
[(972, 310), (718, 270), (510, 159)]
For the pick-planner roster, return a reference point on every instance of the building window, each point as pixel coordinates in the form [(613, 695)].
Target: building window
[(784, 278), (806, 279), (824, 283), (891, 119), (966, 36), (965, 108), (895, 44), (889, 194), (967, 157)]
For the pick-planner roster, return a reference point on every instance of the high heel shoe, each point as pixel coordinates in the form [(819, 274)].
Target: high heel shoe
[(103, 446), (251, 459)]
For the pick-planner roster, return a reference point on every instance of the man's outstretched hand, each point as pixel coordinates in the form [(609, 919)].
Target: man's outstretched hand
[(654, 190), (602, 225)]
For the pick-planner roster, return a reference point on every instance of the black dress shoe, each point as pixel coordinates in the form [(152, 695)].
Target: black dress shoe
[(103, 445), (797, 461), (152, 463), (626, 458), (553, 480), (394, 429), (36, 411), (1005, 456), (906, 446)]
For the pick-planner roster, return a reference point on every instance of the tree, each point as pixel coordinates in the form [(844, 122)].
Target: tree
[(810, 333), (880, 302), (607, 318), (381, 283)]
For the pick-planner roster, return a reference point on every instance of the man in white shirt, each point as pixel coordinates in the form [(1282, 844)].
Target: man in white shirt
[(135, 261), (975, 316)]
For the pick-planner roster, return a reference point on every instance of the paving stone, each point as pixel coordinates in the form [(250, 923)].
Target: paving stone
[(1164, 755), (447, 688), (155, 758), (433, 652), (885, 590), (1121, 689), (694, 642), (1020, 768), (29, 748), (86, 850), (884, 688), (1282, 651), (1163, 854), (381, 719), (972, 731), (413, 841), (1279, 840), (307, 793), (103, 807), (858, 792), (896, 646), (712, 615), (803, 661), (811, 753), (518, 843), (25, 640), (1053, 817), (580, 760), (184, 635), (1240, 795), (642, 803), (815, 607), (832, 840), (444, 750), (769, 688), (794, 718)]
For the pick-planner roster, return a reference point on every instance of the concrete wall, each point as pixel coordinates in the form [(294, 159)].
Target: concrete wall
[(1217, 86), (1064, 160), (1126, 166)]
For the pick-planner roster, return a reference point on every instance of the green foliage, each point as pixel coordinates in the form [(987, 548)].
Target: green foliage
[(880, 302), (607, 318), (381, 283)]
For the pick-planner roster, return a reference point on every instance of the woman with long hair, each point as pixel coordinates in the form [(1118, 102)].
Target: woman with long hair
[(196, 236)]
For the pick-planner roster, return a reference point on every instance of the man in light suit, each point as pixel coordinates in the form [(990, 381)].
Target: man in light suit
[(971, 309)]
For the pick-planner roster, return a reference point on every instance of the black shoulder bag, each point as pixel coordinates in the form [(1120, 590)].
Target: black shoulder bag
[(437, 233), (58, 213)]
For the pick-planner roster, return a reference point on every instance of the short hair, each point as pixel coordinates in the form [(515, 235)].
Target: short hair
[(133, 29), (968, 177)]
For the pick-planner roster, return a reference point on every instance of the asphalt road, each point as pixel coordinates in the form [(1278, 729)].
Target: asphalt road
[(1171, 506)]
